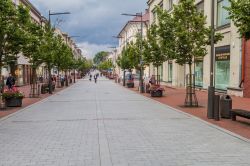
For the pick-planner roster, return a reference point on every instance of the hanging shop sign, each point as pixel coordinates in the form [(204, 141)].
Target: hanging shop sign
[(198, 59), (222, 53)]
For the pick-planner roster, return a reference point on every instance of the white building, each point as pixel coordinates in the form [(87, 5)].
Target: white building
[(228, 56), (128, 34)]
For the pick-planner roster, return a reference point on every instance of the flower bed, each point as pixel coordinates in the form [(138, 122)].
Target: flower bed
[(156, 91), (13, 97)]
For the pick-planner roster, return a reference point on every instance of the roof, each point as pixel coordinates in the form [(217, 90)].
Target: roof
[(32, 8), (137, 19)]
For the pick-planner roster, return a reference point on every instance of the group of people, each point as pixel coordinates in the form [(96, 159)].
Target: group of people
[(95, 77)]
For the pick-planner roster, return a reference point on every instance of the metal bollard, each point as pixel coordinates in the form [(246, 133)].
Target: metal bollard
[(216, 107)]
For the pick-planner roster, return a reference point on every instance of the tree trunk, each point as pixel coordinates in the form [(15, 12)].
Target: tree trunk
[(50, 79), (124, 74), (190, 84), (33, 85), (66, 78)]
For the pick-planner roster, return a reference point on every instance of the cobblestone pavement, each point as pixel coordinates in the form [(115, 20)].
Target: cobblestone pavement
[(104, 124)]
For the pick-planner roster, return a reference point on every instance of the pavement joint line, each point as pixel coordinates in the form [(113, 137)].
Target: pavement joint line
[(104, 147), (225, 131), (29, 106)]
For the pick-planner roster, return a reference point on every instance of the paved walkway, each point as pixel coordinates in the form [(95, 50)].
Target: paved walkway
[(104, 124)]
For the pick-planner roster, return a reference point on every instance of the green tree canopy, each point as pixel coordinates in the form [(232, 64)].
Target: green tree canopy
[(106, 65), (124, 61), (240, 14), (100, 57), (12, 32)]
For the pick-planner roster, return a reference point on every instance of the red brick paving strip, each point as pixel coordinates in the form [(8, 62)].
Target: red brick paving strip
[(175, 97)]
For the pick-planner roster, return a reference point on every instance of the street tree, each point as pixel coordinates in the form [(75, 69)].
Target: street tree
[(100, 57), (239, 12), (48, 46), (191, 39), (124, 62), (152, 49), (165, 30), (32, 50), (12, 38), (106, 65)]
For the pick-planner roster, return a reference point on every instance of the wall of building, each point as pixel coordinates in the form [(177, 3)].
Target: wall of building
[(231, 41)]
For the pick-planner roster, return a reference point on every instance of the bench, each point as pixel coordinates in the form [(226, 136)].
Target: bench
[(240, 112)]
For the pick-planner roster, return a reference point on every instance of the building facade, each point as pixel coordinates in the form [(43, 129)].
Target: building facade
[(228, 51), (129, 34), (21, 69)]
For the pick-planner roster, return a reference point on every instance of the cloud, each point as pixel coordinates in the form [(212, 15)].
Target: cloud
[(89, 50), (96, 21)]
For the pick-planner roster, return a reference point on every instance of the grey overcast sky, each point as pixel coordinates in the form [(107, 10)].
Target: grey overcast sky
[(95, 21)]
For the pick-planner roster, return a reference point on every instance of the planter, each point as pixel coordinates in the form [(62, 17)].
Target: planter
[(13, 102), (44, 88), (130, 85), (156, 93)]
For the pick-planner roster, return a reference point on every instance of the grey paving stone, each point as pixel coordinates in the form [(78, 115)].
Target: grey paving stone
[(104, 124)]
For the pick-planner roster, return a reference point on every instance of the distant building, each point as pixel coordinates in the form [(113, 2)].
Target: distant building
[(21, 68), (129, 33)]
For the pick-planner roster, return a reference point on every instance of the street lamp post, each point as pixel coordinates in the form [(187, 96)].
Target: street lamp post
[(211, 88), (52, 14), (141, 87)]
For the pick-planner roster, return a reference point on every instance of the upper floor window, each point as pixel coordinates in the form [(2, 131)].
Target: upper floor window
[(161, 4), (170, 5), (222, 13), (154, 14), (200, 7)]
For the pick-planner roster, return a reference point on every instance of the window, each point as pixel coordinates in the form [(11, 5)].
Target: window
[(154, 14), (170, 5), (200, 7), (222, 13), (222, 67), (198, 73), (161, 72), (161, 4), (170, 71)]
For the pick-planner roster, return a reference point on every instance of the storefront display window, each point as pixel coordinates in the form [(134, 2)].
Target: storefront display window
[(222, 67), (170, 72), (19, 75), (161, 73), (199, 73)]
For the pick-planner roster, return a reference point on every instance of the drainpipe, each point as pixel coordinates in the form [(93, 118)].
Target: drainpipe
[(243, 62)]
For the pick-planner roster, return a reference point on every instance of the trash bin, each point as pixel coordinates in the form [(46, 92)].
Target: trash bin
[(225, 106)]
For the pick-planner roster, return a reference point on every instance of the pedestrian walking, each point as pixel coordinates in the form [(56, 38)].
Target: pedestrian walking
[(10, 81), (95, 77), (90, 77)]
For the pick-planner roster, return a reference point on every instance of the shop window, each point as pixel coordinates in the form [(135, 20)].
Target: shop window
[(199, 73), (161, 72), (222, 67), (170, 72), (222, 13), (222, 74)]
